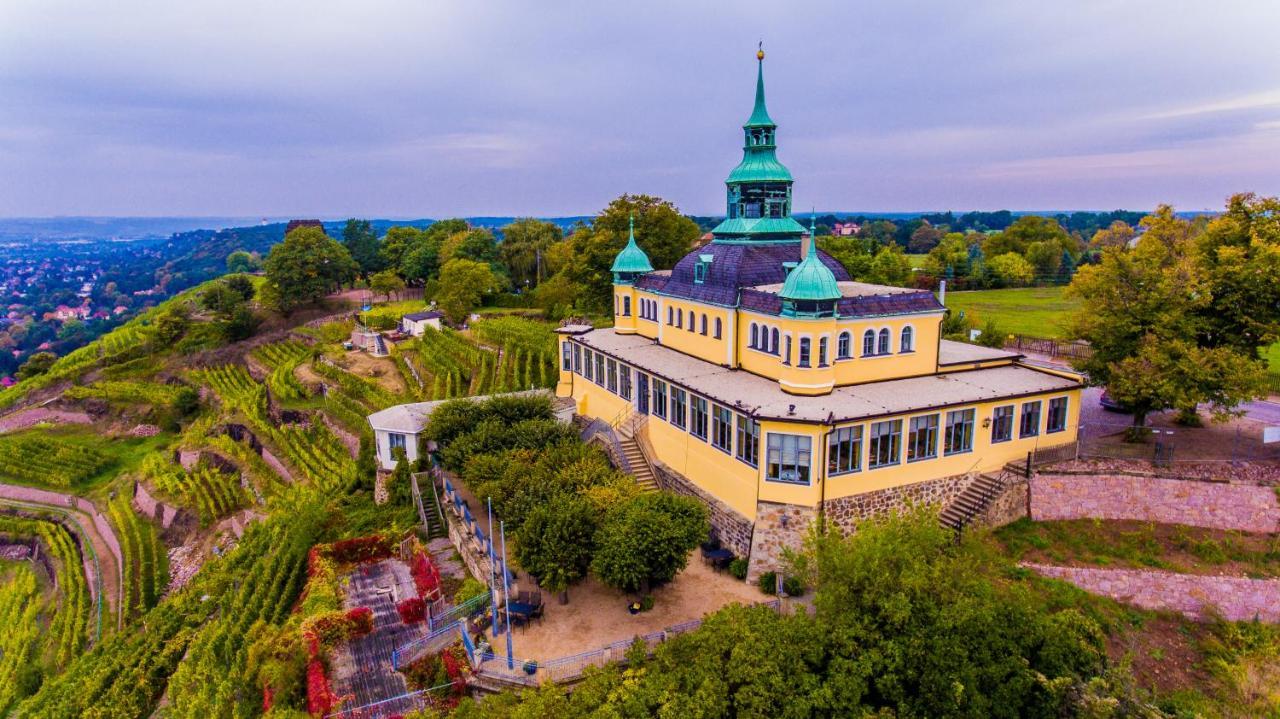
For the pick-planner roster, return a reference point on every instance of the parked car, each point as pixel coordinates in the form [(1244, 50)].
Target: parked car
[(1110, 404)]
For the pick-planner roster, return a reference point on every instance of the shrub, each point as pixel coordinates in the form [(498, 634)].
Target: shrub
[(411, 610), (646, 602), (470, 589), (738, 568), (768, 583), (793, 586), (556, 541)]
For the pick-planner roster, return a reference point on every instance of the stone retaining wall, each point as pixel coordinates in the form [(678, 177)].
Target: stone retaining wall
[(733, 530), (846, 512), (779, 527), (1009, 506), (1237, 599), (149, 506), (1166, 501)]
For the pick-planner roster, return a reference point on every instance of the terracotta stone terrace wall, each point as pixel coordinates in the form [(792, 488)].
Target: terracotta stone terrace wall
[(1237, 599), (1168, 501), (846, 512)]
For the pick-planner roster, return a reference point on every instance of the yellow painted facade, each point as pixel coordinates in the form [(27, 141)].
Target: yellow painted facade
[(740, 485)]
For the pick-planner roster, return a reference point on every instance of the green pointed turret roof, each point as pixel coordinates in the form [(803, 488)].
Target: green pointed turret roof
[(760, 113), (632, 258), (811, 280)]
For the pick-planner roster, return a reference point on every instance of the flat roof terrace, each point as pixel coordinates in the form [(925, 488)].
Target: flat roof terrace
[(764, 399)]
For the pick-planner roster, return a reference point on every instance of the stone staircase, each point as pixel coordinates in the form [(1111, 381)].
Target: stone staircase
[(636, 460), (974, 500)]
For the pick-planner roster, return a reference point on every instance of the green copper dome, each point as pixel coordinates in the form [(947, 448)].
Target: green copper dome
[(632, 258), (810, 280)]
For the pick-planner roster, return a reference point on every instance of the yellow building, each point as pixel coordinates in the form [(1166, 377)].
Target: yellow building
[(756, 376)]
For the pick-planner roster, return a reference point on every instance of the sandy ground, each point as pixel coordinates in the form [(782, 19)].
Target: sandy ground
[(597, 615), (379, 369)]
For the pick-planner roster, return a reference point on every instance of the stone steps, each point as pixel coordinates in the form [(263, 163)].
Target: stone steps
[(636, 460), (974, 500)]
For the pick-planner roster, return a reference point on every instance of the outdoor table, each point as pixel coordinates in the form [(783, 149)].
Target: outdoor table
[(521, 611), (718, 558)]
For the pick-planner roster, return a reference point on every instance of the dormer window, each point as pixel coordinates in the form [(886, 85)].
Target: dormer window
[(699, 273)]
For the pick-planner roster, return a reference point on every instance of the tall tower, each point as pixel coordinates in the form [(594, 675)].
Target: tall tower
[(759, 188)]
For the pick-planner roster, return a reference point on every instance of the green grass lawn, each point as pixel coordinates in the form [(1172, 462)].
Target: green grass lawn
[(1272, 354), (1031, 311)]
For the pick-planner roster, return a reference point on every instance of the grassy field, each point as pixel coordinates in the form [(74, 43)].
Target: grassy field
[(1032, 311), (1272, 354)]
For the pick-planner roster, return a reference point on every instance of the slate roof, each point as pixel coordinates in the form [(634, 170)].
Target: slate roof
[(733, 265), (420, 316)]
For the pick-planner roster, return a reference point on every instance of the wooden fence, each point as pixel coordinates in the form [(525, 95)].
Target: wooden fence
[(1051, 347)]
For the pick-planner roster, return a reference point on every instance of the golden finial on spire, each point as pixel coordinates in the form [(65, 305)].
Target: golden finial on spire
[(760, 51)]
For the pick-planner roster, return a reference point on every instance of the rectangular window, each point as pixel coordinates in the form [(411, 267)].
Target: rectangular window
[(1057, 420), (395, 440), (577, 359), (722, 428), (613, 375), (959, 436), (845, 452), (599, 369), (587, 367), (885, 447), (624, 381), (804, 351), (678, 407), (922, 438), (1030, 425), (660, 398), (788, 458), (748, 440), (698, 422), (1002, 424), (566, 357)]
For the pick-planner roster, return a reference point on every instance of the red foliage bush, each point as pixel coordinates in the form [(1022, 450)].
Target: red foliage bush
[(412, 610), (320, 696), (361, 621), (425, 576), (360, 549)]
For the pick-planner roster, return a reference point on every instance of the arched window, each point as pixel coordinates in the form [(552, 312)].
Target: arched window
[(755, 336), (773, 346), (786, 357), (719, 327), (882, 347), (626, 306), (679, 318), (868, 343), (822, 352), (704, 324), (907, 343), (670, 315), (804, 351), (617, 304), (842, 346)]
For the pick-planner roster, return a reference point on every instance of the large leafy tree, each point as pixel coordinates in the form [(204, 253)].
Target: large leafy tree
[(463, 284), (647, 540), (396, 243), (1239, 256), (556, 542), (362, 242), (524, 242), (1147, 313), (1027, 229), (304, 268)]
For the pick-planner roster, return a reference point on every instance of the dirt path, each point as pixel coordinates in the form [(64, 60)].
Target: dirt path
[(96, 527), (31, 416)]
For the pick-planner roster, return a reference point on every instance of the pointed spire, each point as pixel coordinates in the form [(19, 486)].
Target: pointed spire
[(813, 232), (760, 114), (632, 258)]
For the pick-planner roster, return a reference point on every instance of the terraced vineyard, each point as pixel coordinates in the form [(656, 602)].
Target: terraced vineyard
[(70, 627), (453, 365), (282, 358), (232, 383), (364, 391), (528, 352), (20, 604), (36, 457), (124, 391), (212, 494), (146, 564)]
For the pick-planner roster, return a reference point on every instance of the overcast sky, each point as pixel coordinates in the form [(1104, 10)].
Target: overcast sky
[(419, 108)]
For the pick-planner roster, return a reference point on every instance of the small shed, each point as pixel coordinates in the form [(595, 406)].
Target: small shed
[(371, 341), (415, 323)]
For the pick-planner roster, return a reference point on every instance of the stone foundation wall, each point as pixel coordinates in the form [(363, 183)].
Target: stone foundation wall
[(846, 512), (1167, 501), (1237, 599), (1011, 505), (779, 527), (733, 529)]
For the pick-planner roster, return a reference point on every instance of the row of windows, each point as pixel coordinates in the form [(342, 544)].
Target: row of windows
[(648, 309), (734, 434), (765, 339), (676, 318)]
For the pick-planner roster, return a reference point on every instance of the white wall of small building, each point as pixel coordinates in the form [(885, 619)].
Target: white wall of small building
[(382, 438)]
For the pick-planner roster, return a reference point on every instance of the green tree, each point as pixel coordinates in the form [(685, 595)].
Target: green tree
[(523, 244), (170, 326), (305, 267), (1175, 374), (880, 232), (647, 540), (37, 364), (463, 284), (242, 285), (556, 541), (1238, 255), (952, 254), (386, 283), (1045, 257), (1011, 270), (1025, 230), (396, 243), (1118, 234), (477, 245), (242, 261), (925, 238), (890, 266), (854, 253), (362, 243)]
